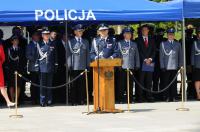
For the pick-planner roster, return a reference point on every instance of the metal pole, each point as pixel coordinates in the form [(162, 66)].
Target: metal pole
[(66, 65), (16, 99), (87, 94), (128, 92), (184, 59), (182, 108)]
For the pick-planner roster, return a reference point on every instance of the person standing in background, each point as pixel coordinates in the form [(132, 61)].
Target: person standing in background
[(171, 60), (32, 56)]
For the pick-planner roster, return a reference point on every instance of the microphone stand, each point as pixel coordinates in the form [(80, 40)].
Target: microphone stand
[(98, 57)]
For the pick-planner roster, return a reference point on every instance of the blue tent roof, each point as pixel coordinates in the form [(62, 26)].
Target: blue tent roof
[(192, 8), (85, 10)]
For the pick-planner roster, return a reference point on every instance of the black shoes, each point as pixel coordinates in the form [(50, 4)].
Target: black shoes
[(43, 105), (171, 100)]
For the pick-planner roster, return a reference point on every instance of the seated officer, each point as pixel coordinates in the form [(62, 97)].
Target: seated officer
[(130, 60), (78, 61), (103, 46), (170, 61), (47, 65)]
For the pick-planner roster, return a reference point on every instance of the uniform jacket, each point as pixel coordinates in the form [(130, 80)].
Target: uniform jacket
[(48, 64), (195, 54), (171, 57), (32, 56), (78, 54), (105, 48), (129, 54)]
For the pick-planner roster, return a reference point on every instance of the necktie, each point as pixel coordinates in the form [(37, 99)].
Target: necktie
[(104, 42), (171, 44), (79, 40), (146, 42), (128, 43)]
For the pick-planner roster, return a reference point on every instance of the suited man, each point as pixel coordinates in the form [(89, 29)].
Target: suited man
[(33, 66), (159, 37), (60, 75), (146, 47), (47, 65), (189, 40), (103, 46), (130, 60), (78, 61), (170, 61)]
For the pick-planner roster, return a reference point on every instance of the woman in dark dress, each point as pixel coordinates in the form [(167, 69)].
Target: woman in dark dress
[(14, 62), (195, 61)]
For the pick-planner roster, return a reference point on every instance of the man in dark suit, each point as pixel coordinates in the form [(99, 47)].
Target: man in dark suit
[(159, 37), (60, 75), (146, 47)]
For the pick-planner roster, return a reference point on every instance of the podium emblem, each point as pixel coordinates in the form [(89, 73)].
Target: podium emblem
[(108, 74)]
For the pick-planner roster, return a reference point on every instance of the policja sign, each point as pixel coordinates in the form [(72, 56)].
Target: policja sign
[(61, 15)]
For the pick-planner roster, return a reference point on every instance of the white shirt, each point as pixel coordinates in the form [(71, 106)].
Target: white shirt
[(171, 41), (15, 47), (45, 42), (104, 38), (64, 43), (127, 41), (144, 37), (77, 39)]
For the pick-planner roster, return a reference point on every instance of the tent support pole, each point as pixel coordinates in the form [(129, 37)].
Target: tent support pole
[(184, 59), (67, 74)]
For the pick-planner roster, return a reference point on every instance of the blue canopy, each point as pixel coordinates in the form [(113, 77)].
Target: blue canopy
[(86, 10), (191, 8)]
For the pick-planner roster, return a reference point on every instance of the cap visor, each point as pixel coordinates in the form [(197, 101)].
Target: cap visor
[(103, 28)]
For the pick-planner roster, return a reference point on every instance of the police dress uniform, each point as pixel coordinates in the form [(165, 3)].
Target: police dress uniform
[(171, 60), (195, 60), (47, 65), (78, 61), (104, 48), (130, 60), (32, 56)]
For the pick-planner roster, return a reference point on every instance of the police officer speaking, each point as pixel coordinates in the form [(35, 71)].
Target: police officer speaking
[(103, 46), (47, 65), (170, 61)]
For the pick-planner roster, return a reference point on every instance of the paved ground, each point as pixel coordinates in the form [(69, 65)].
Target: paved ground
[(145, 117)]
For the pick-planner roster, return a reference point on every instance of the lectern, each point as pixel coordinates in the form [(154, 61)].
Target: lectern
[(104, 92)]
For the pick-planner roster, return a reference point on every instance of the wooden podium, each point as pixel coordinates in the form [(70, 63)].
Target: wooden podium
[(104, 96)]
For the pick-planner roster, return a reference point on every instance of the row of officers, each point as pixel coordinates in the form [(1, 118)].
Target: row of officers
[(153, 60)]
